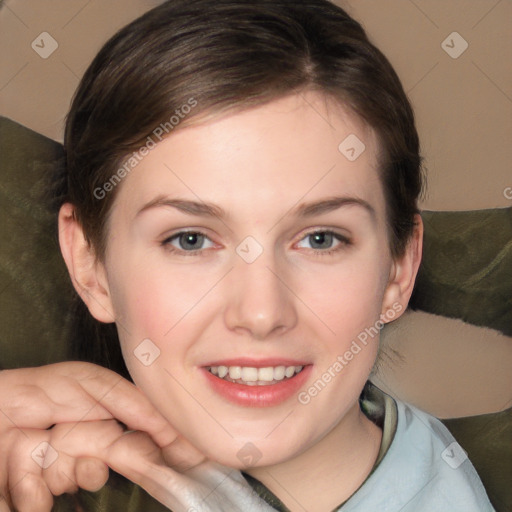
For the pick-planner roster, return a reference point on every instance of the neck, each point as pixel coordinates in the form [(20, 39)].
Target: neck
[(329, 472)]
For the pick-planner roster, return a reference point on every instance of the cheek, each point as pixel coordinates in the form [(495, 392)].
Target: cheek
[(150, 300), (348, 302), (346, 298), (157, 317)]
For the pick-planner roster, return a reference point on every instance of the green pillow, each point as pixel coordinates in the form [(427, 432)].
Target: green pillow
[(465, 273), (35, 290), (466, 270)]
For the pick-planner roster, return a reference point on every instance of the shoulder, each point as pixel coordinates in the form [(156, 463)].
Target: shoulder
[(423, 469)]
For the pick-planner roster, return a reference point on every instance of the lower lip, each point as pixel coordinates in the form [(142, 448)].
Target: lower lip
[(258, 396)]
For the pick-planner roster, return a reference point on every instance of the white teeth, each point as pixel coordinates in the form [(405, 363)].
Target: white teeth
[(279, 372), (290, 371), (266, 374), (249, 374), (235, 372), (255, 376)]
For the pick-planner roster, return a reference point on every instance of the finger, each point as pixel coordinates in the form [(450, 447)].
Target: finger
[(91, 473), (74, 468), (4, 504), (27, 489), (60, 475), (31, 493), (137, 458), (77, 391), (124, 401), (182, 455), (41, 397)]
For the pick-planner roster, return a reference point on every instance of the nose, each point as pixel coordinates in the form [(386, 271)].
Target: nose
[(260, 302)]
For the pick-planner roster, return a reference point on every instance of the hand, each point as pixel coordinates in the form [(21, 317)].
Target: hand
[(40, 462), (202, 487), (34, 399)]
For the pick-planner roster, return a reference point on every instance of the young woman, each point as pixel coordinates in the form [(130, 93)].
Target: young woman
[(240, 199)]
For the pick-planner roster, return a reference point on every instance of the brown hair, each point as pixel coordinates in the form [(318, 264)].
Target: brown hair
[(230, 55)]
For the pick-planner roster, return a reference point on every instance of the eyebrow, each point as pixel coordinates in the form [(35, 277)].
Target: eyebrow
[(201, 208), (198, 208), (328, 205)]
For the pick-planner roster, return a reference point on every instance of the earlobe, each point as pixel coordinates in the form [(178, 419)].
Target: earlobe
[(403, 273), (87, 274)]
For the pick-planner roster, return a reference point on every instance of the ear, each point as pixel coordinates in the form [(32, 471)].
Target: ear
[(403, 275), (87, 274)]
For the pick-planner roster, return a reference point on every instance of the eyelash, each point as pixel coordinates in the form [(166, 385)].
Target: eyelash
[(344, 243)]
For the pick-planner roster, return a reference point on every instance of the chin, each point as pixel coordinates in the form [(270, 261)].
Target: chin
[(249, 454)]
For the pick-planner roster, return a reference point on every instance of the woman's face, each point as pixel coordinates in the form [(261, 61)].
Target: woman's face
[(285, 266)]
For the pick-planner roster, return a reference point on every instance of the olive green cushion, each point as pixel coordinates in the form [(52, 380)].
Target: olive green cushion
[(35, 290), (466, 270), (465, 273)]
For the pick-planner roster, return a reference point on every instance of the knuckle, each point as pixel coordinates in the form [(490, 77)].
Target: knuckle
[(13, 445), (62, 483), (9, 437), (33, 486), (91, 474), (75, 370)]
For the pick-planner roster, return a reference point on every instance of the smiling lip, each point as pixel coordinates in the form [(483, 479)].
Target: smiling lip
[(257, 363), (257, 395)]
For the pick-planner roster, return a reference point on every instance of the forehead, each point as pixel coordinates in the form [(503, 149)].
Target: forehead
[(301, 146)]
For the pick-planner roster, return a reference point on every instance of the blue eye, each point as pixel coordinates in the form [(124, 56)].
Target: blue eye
[(189, 241), (325, 241)]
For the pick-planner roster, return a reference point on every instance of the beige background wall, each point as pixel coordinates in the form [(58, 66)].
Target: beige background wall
[(464, 111), (463, 105)]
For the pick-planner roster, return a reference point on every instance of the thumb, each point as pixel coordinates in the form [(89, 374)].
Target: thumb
[(91, 474), (136, 457), (181, 455)]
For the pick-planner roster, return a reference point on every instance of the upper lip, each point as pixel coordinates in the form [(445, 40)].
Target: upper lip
[(257, 363)]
